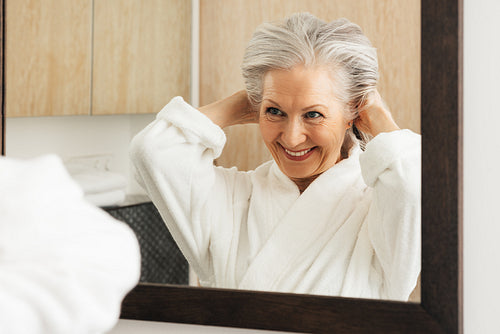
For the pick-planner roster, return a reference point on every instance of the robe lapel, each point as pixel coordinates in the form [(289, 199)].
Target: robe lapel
[(301, 226)]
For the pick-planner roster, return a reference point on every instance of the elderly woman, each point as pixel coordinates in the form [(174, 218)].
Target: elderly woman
[(329, 214)]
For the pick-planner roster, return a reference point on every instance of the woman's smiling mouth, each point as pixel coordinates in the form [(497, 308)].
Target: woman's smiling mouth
[(298, 155)]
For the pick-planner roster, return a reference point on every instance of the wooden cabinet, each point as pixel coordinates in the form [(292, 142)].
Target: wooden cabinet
[(48, 57), (141, 55), (84, 57)]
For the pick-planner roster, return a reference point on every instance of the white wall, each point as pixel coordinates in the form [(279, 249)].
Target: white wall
[(481, 180), (481, 166)]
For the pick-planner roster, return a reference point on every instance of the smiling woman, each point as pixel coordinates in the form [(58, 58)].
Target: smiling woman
[(301, 119), (315, 220), (317, 125)]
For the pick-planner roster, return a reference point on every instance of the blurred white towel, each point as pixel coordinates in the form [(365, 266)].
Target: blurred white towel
[(65, 265)]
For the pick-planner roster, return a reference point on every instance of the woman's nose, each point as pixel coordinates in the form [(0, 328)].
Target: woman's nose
[(293, 134)]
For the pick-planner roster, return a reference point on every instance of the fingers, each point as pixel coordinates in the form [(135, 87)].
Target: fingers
[(373, 103), (374, 115)]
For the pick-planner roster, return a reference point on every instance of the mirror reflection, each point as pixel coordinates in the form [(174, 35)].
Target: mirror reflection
[(336, 209)]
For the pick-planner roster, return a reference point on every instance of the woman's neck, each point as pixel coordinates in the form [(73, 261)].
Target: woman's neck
[(303, 183)]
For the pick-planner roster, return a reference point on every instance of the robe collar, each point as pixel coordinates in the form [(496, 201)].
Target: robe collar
[(304, 223)]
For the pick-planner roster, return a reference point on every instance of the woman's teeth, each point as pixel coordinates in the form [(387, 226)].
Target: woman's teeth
[(299, 153)]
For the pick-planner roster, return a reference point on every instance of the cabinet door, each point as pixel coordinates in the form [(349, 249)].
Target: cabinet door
[(48, 57), (141, 55)]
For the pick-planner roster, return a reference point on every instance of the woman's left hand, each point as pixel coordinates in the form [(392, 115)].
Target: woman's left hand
[(374, 117)]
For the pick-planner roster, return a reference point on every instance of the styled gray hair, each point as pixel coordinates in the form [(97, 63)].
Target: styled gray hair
[(302, 38)]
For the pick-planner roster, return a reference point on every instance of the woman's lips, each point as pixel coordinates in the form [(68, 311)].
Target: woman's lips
[(298, 155)]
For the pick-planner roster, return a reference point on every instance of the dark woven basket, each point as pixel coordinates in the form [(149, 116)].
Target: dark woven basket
[(161, 259)]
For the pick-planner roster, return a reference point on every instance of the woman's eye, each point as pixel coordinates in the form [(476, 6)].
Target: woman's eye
[(313, 114), (274, 112)]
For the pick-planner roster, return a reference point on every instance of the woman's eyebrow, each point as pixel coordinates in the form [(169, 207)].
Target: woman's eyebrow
[(303, 109), (314, 106), (273, 102)]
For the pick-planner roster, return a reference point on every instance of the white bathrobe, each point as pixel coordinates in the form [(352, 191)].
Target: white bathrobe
[(355, 231), (65, 265)]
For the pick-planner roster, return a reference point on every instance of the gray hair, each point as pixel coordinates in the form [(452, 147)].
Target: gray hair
[(302, 38)]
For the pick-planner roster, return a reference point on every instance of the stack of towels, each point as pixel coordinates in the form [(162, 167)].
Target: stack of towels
[(101, 187)]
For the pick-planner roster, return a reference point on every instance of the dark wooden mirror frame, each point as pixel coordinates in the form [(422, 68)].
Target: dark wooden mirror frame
[(440, 310)]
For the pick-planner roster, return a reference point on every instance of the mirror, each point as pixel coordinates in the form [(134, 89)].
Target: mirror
[(441, 307)]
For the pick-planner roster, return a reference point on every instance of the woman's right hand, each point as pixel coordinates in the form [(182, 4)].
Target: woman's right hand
[(232, 110)]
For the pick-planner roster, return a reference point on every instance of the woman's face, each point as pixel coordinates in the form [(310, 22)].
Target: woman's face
[(301, 121)]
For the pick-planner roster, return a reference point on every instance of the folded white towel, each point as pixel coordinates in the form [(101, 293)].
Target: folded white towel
[(96, 181), (93, 176), (109, 198)]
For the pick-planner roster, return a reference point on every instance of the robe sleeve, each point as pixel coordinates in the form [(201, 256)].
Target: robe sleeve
[(391, 165), (65, 265), (173, 158)]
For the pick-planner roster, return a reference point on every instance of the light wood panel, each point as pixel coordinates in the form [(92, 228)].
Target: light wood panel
[(226, 26), (48, 55), (141, 55)]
